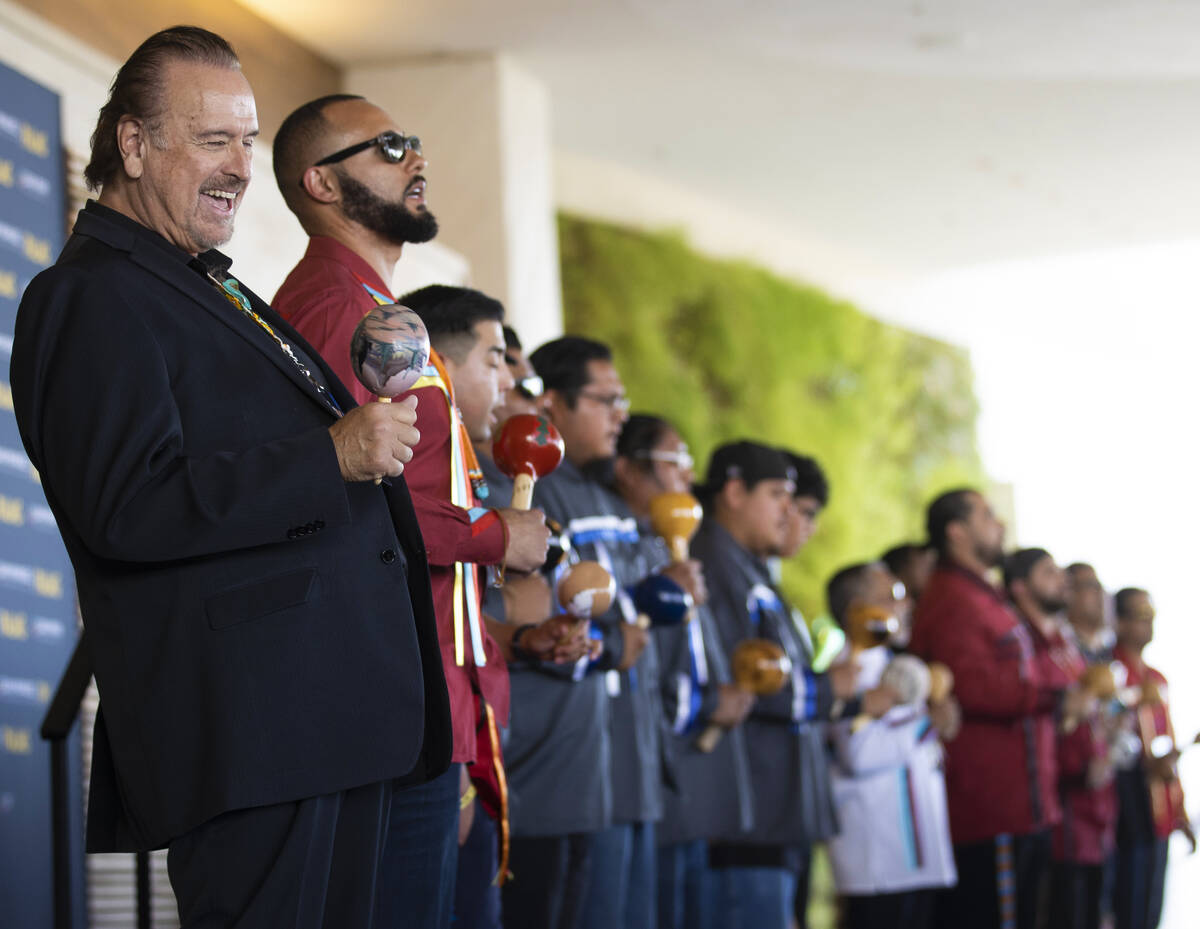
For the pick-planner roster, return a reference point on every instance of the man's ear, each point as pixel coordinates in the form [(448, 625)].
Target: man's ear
[(553, 405), (621, 469), (133, 138), (733, 494), (321, 184), (955, 532)]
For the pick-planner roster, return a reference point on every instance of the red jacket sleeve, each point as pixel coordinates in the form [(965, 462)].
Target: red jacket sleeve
[(451, 533), (1075, 753)]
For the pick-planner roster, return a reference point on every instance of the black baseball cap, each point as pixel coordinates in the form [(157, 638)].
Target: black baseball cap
[(749, 462)]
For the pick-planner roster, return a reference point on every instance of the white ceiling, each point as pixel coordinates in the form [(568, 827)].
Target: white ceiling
[(913, 136)]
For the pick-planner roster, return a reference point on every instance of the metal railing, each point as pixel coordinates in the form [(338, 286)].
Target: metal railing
[(56, 726)]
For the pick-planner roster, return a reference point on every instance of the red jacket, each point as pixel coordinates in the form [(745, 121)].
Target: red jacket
[(996, 780), (1088, 831), (1152, 718), (479, 537), (324, 297)]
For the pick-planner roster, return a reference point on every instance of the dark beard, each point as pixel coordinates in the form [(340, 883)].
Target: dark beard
[(990, 557), (391, 221), (1051, 604)]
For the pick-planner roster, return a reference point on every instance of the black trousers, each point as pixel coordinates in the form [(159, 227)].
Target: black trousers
[(1075, 892), (999, 886), (549, 882), (910, 909), (312, 864), (1140, 880)]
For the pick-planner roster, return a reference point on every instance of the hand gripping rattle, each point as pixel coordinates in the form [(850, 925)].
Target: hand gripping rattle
[(389, 351)]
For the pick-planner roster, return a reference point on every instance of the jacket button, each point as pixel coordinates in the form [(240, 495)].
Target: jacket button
[(291, 533), (387, 556), (319, 524)]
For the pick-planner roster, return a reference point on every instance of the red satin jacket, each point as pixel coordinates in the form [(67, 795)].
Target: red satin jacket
[(999, 777)]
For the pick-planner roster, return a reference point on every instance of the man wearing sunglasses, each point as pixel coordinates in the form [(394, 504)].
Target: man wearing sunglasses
[(355, 182)]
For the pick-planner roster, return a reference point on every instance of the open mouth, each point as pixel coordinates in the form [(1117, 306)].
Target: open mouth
[(416, 192), (223, 201)]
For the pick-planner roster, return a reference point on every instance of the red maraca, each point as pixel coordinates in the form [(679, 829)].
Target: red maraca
[(389, 350), (527, 448)]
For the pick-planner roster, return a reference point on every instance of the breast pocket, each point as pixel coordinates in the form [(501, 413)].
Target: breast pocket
[(260, 598)]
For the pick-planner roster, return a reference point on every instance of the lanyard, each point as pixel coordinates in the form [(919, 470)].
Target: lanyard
[(762, 601), (232, 292), (466, 582), (699, 660)]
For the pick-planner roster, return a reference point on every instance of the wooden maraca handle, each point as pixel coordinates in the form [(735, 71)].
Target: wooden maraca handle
[(522, 497), (709, 739), (679, 549), (382, 400)]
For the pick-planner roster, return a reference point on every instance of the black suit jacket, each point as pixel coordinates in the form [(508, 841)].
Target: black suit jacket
[(260, 630)]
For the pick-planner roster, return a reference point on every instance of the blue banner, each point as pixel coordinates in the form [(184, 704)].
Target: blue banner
[(37, 597)]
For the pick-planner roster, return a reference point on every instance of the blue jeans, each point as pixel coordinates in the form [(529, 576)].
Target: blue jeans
[(684, 886), (416, 886), (476, 896), (623, 887), (754, 898)]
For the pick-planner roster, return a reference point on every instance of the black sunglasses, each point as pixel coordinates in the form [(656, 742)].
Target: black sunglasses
[(392, 145), (530, 387)]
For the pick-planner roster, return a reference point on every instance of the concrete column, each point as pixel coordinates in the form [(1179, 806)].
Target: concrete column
[(484, 125)]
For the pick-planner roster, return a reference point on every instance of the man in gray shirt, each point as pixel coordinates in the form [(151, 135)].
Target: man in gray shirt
[(747, 498)]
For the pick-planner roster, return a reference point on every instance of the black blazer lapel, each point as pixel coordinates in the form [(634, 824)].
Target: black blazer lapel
[(204, 293)]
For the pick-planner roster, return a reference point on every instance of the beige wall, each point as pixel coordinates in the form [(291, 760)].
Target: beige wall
[(484, 126)]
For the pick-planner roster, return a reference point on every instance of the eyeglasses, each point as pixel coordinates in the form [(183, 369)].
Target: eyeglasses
[(392, 145), (530, 387), (618, 402), (680, 459)]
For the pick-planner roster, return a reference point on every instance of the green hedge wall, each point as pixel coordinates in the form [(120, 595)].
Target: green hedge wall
[(727, 350)]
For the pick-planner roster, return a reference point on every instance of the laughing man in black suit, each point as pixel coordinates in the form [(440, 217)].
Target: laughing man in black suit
[(257, 609)]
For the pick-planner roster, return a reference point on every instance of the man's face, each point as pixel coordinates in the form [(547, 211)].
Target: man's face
[(666, 470), (985, 532), (761, 513), (1136, 627), (882, 591), (671, 466), (516, 401), (590, 428), (387, 198), (191, 174), (1047, 584), (1085, 597), (802, 523), (917, 571), (480, 380)]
